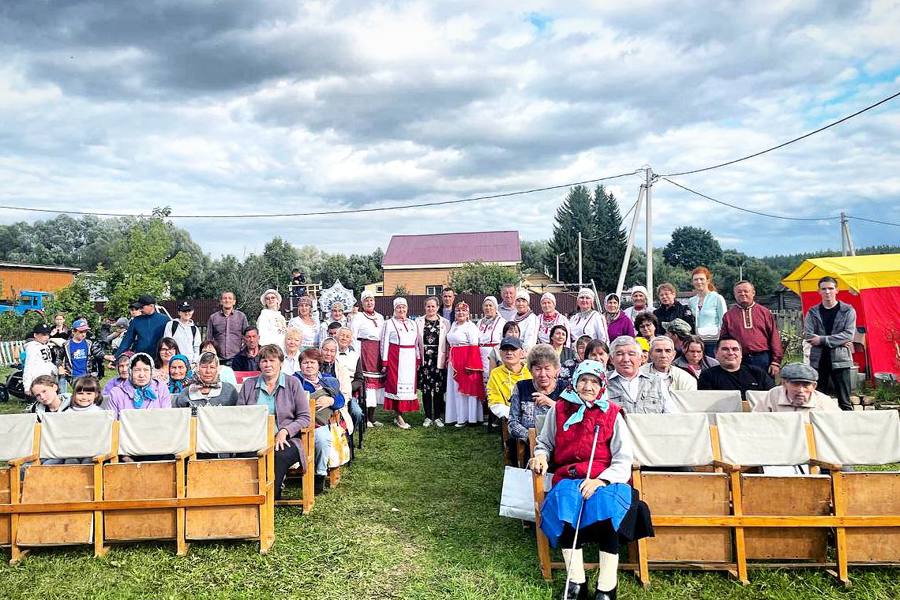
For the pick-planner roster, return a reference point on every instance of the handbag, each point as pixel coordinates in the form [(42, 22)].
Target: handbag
[(517, 497), (340, 448)]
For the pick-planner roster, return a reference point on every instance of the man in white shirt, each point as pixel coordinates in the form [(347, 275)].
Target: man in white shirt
[(662, 353), (634, 390), (185, 333)]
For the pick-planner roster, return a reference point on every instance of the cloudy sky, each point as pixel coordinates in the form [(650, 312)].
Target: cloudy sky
[(239, 106)]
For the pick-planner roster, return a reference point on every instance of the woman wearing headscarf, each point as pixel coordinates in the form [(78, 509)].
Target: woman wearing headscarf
[(617, 322), (601, 501), (141, 391), (640, 300), (587, 321), (490, 332), (335, 315), (179, 374), (400, 355), (206, 388), (465, 386), (550, 318), (271, 323), (527, 321), (306, 322), (432, 331), (367, 327)]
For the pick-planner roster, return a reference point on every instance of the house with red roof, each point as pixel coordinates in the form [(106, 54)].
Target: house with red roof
[(422, 263)]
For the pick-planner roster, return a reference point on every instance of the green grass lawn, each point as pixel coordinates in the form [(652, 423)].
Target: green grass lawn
[(415, 516)]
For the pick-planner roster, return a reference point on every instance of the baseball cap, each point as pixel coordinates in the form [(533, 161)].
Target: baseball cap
[(511, 342), (81, 325), (135, 306), (185, 307), (41, 328), (146, 300)]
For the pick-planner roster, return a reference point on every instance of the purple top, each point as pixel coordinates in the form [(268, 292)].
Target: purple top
[(112, 383), (622, 325), (122, 397)]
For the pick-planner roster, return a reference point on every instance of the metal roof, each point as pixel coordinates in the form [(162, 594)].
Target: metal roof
[(452, 249)]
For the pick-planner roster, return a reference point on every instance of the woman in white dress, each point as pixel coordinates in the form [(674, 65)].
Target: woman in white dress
[(367, 327), (306, 323), (490, 332), (587, 321), (465, 386), (550, 318), (400, 355), (271, 323), (526, 320)]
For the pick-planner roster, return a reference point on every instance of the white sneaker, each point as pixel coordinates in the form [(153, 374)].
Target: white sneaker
[(370, 424), (427, 422), (461, 425), (438, 423), (377, 424)]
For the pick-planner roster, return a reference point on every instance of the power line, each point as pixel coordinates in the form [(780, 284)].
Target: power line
[(783, 144), (755, 212), (874, 221), (328, 212)]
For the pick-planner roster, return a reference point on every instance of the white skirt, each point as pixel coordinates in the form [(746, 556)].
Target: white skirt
[(461, 408)]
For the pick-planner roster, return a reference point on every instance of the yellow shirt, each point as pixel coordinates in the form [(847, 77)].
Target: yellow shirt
[(501, 382)]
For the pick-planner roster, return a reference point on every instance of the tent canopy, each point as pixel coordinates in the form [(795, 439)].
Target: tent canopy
[(854, 272)]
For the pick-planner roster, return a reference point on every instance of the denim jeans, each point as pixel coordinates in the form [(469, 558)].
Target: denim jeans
[(323, 449), (761, 360)]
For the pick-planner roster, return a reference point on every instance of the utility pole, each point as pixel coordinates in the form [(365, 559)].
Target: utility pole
[(580, 277), (649, 183), (631, 230), (846, 240), (557, 265)]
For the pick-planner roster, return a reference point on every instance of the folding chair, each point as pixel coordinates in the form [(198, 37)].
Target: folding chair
[(780, 504), (148, 433), (238, 493), (61, 503), (754, 397), (867, 504), (678, 498), (707, 401), (19, 443), (307, 478)]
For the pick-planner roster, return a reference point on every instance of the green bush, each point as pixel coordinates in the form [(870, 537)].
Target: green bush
[(13, 327)]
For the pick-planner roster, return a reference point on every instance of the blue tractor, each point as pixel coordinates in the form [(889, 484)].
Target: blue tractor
[(27, 301)]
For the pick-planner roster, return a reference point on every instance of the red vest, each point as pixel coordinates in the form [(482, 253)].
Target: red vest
[(572, 450)]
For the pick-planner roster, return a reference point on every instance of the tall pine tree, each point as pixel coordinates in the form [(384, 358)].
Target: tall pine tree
[(609, 249), (572, 216)]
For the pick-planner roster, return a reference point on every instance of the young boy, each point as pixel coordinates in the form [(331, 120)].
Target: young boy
[(38, 357), (80, 355), (610, 509)]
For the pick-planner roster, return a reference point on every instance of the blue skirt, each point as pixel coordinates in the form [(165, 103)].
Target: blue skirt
[(564, 502)]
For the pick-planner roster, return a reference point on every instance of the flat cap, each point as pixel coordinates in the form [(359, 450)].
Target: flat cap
[(678, 327), (799, 372)]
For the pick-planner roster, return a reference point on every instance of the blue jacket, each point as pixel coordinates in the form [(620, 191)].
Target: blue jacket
[(332, 387), (144, 334)]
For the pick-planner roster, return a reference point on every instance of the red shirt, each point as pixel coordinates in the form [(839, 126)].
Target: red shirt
[(754, 328)]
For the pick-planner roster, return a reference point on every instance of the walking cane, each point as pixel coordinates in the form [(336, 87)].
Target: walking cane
[(580, 512)]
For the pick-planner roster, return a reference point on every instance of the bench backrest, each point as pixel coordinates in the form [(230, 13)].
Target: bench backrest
[(676, 440), (757, 439), (870, 437), (707, 401), (154, 432), (232, 428), (16, 435), (76, 435)]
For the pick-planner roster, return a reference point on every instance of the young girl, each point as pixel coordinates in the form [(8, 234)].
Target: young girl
[(610, 510), (45, 389), (86, 395)]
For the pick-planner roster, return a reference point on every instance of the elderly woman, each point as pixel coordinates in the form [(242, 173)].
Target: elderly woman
[(367, 327), (179, 374), (226, 373), (617, 322), (550, 318), (288, 402), (206, 388), (432, 330), (306, 322), (490, 332), (400, 355), (647, 326), (141, 391), (465, 386), (270, 322), (527, 321), (335, 315), (587, 321), (640, 303), (293, 339), (568, 360), (708, 308), (533, 397), (694, 359), (166, 349), (326, 391), (592, 495), (121, 373)]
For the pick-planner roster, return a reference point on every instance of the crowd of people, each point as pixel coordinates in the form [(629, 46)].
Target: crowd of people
[(512, 364)]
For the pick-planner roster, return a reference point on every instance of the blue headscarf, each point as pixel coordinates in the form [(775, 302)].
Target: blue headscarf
[(176, 387), (586, 367), (144, 392)]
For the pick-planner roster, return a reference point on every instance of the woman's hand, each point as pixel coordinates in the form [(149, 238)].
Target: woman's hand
[(589, 486), (324, 402), (543, 400), (281, 439), (538, 464)]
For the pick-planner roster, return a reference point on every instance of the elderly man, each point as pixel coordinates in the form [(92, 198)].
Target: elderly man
[(226, 327), (753, 326), (507, 306), (797, 392), (662, 355), (670, 309), (732, 373), (248, 358), (829, 327), (145, 330), (634, 390)]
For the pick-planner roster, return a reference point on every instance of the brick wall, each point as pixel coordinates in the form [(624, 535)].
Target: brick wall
[(414, 280)]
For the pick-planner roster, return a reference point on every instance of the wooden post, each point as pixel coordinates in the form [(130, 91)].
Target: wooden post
[(738, 511), (181, 542), (643, 571), (840, 509), (543, 544)]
